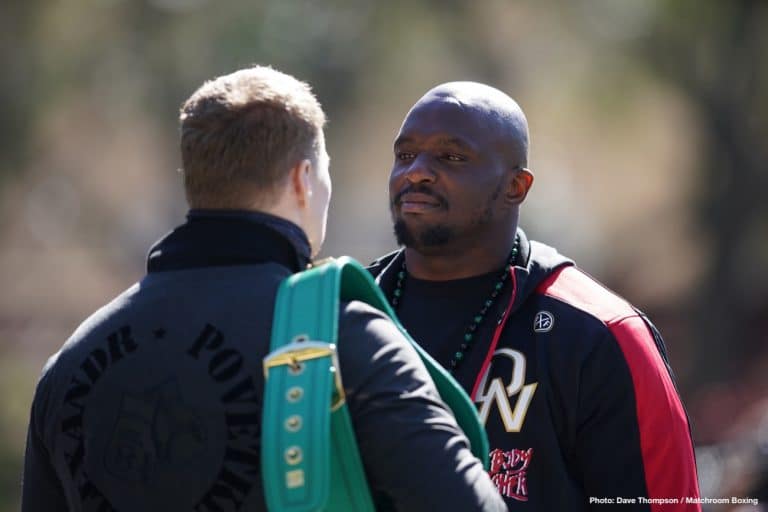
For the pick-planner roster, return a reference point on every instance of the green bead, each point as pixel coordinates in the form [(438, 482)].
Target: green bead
[(468, 337), (398, 292), (478, 319), (458, 356), (499, 285), (401, 274), (488, 303)]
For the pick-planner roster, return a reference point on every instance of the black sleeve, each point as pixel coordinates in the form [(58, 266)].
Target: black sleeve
[(41, 487), (414, 453)]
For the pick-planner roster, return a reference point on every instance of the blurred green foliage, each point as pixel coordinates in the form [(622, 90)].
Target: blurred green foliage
[(15, 391)]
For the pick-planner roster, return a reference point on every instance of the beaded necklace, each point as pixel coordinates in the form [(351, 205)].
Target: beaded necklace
[(469, 333)]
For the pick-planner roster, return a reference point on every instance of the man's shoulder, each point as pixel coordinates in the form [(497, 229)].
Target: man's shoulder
[(596, 318), (96, 326), (580, 291), (373, 350), (79, 347), (359, 319), (359, 310)]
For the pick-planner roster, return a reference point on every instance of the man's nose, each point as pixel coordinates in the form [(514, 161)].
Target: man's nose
[(420, 170)]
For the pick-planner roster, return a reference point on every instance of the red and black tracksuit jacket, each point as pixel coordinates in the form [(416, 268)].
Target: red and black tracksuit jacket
[(576, 393)]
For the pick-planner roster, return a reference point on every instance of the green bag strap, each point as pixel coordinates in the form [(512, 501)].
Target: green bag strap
[(310, 459)]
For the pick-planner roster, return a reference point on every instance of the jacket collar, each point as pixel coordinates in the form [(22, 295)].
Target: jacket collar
[(534, 263), (230, 237)]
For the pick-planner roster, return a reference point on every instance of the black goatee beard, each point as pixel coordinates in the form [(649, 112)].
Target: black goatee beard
[(429, 237), (432, 236)]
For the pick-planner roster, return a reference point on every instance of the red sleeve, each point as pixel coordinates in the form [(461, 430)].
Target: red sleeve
[(665, 440)]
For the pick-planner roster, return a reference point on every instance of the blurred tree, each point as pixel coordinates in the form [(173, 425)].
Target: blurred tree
[(716, 53), (18, 54)]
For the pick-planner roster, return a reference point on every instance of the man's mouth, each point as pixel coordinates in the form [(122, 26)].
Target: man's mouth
[(416, 202)]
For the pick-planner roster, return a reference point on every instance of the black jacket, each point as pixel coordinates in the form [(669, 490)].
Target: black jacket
[(154, 403), (575, 391)]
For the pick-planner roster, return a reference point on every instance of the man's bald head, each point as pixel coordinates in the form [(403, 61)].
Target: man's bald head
[(490, 106)]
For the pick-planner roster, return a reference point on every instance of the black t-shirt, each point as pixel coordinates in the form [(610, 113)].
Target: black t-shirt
[(437, 314)]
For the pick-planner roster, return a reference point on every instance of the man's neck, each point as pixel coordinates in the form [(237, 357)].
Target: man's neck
[(457, 261)]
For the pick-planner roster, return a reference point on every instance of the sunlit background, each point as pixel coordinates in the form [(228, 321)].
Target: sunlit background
[(649, 121)]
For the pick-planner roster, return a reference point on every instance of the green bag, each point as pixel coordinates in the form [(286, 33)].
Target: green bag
[(309, 455)]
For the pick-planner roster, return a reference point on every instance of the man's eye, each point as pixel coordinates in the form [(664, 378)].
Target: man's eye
[(453, 157), (404, 155)]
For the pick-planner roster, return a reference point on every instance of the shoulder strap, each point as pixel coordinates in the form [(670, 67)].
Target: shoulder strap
[(310, 459)]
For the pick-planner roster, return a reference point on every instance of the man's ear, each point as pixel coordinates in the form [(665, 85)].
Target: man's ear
[(519, 185), (301, 184)]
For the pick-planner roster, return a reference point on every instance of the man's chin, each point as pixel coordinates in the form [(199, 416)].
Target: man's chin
[(423, 237)]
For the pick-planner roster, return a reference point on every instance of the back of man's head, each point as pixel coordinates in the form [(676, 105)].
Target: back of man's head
[(241, 133)]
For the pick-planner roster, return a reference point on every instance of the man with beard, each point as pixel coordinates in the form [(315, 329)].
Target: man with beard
[(571, 381)]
